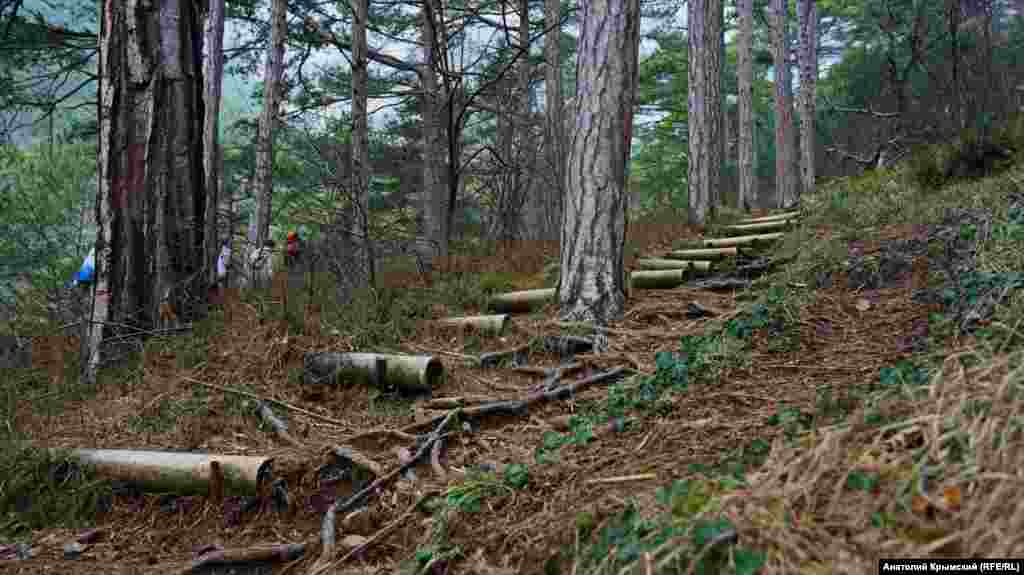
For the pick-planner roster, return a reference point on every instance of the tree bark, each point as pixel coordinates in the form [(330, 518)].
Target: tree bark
[(807, 12), (592, 283), (364, 263), (432, 237), (555, 136), (783, 110), (272, 95), (745, 63), (705, 106), (213, 75), (150, 197)]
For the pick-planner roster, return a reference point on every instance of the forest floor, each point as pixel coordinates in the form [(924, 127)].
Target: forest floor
[(861, 401)]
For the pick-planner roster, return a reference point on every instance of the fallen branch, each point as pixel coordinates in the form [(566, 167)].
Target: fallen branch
[(277, 424), (493, 358), (456, 401), (281, 553), (622, 479), (720, 284), (323, 563), (519, 406), (283, 404), (387, 529)]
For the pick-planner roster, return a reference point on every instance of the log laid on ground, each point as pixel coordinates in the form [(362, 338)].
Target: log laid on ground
[(660, 279), (743, 240), (672, 264), (521, 301), (759, 226), (412, 374), (179, 472), (277, 553), (771, 217), (702, 254), (494, 358), (720, 284), (491, 324), (567, 345)]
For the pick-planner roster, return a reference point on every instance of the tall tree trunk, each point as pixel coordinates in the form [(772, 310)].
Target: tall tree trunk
[(432, 240), (953, 11), (150, 197), (272, 94), (213, 74), (807, 11), (361, 146), (555, 135), (592, 283), (783, 110), (705, 106), (745, 101), (526, 156)]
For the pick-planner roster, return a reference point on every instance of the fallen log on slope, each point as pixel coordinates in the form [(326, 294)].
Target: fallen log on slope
[(771, 217), (673, 264), (490, 324), (703, 253), (743, 240), (180, 472), (660, 279), (274, 553), (521, 301), (759, 226), (410, 374)]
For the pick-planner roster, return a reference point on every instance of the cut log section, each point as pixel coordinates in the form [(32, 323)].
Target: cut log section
[(660, 279), (490, 324), (702, 254), (410, 374), (180, 472), (670, 264), (521, 301), (743, 240), (771, 218), (760, 226)]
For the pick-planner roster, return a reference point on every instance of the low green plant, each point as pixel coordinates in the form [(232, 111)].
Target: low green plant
[(42, 489)]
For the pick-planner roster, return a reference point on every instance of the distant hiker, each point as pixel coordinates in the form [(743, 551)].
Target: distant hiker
[(216, 295), (294, 251), (87, 272)]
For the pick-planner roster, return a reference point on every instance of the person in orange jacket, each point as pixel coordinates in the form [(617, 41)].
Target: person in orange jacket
[(294, 251)]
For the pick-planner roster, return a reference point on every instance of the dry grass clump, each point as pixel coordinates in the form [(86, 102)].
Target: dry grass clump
[(942, 480)]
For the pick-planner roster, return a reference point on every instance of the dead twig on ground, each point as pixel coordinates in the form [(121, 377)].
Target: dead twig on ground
[(283, 404), (387, 529), (327, 530)]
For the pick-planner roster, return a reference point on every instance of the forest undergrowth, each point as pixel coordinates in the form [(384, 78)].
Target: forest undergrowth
[(863, 400)]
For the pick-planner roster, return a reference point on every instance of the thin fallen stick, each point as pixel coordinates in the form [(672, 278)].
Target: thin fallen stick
[(392, 432), (324, 562), (279, 426), (283, 404), (387, 529), (622, 479)]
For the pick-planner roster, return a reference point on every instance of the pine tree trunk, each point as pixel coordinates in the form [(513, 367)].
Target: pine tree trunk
[(364, 263), (807, 11), (555, 135), (432, 241), (272, 95), (783, 109), (213, 75), (745, 63), (150, 197), (705, 106), (592, 284)]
